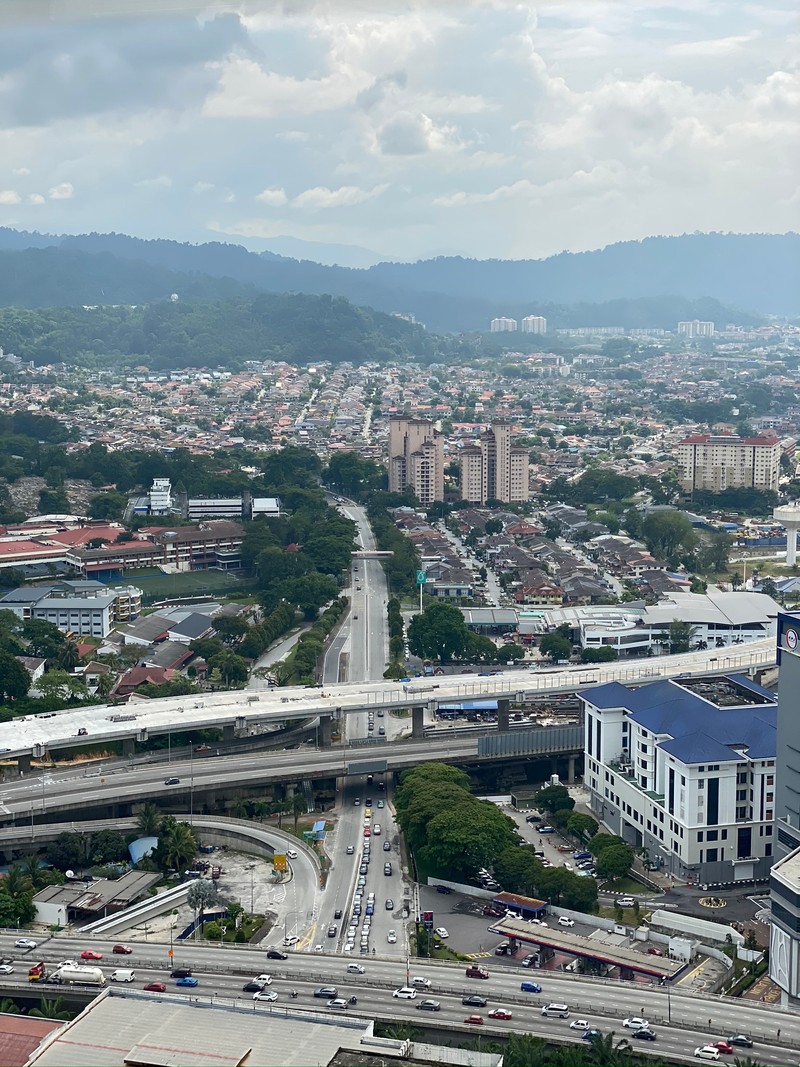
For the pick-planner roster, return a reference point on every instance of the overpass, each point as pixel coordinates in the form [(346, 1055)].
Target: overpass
[(33, 736), (119, 790)]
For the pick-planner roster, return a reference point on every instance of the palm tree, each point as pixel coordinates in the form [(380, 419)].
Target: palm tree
[(148, 821), (261, 809), (605, 1053), (8, 1007), (202, 893), (239, 808), (18, 882), (33, 870), (298, 807), (51, 1009), (179, 845)]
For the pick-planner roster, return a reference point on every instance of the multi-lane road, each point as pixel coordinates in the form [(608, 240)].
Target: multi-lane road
[(682, 1022)]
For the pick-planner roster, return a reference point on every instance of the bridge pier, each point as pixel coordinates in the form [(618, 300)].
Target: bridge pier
[(571, 771), (128, 746), (325, 725), (417, 722), (228, 731), (24, 763), (503, 714)]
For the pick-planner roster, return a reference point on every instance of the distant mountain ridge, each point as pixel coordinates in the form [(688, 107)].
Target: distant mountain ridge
[(662, 277)]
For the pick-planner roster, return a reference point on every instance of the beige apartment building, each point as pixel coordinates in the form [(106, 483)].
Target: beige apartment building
[(494, 468), (727, 462), (416, 459)]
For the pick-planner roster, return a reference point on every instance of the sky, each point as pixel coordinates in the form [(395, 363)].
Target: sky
[(484, 128)]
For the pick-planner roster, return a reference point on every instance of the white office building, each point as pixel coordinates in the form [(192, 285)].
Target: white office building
[(503, 325), (695, 328), (160, 497), (686, 770)]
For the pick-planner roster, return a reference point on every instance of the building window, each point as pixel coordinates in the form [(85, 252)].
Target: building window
[(700, 837), (712, 835), (701, 784), (711, 855)]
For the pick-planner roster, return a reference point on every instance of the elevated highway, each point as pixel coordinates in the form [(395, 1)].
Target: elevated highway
[(33, 736)]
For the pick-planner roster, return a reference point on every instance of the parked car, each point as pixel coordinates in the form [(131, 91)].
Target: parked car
[(391, 937), (564, 921), (653, 951), (547, 830), (441, 932), (443, 889)]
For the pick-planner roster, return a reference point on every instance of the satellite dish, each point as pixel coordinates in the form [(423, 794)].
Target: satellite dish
[(70, 874)]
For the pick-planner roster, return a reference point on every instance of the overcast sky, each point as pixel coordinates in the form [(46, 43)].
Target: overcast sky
[(487, 129)]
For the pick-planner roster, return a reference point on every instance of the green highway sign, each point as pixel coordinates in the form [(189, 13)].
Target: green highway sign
[(421, 578)]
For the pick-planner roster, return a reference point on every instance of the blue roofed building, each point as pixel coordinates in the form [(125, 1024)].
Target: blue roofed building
[(686, 770)]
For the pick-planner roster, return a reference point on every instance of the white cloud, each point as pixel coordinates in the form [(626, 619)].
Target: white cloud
[(62, 191), (160, 181), (272, 197), (714, 47), (320, 197), (35, 198), (203, 187), (21, 172), (10, 196)]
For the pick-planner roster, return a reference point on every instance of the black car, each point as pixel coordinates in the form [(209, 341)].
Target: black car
[(252, 987), (172, 781), (338, 913), (332, 930), (429, 1005), (276, 954), (329, 992), (474, 1001), (387, 847), (644, 1034), (533, 818), (742, 1040), (443, 889)]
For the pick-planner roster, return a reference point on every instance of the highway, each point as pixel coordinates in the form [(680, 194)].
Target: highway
[(35, 734), (681, 1021)]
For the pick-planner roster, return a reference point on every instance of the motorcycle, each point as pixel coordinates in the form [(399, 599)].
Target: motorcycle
[(293, 994), (354, 1000)]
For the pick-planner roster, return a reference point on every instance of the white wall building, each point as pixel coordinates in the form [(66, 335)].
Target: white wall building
[(503, 325), (728, 461), (534, 324), (160, 497), (687, 771), (695, 328)]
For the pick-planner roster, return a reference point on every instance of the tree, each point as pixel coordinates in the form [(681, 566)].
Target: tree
[(493, 526), (233, 669), (665, 532), (603, 841), (603, 654), (768, 587), (556, 647), (713, 554), (310, 592), (552, 798), (579, 894), (108, 506), (202, 894), (681, 636), (148, 821), (438, 633), (509, 653), (51, 1009), (15, 681), (524, 1050), (581, 825), (299, 807), (177, 845), (231, 629), (615, 861), (9, 1007)]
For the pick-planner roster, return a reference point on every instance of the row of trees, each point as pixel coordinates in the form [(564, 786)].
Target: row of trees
[(450, 831), (397, 644), (299, 667)]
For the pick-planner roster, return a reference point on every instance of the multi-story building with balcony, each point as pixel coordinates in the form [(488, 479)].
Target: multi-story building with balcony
[(494, 468), (416, 459), (717, 462), (686, 770)]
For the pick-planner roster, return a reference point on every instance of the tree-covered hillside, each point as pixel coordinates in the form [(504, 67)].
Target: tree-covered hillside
[(677, 277), (169, 335)]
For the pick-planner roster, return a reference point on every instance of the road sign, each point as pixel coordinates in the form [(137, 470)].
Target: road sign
[(279, 861), (421, 578), (427, 920)]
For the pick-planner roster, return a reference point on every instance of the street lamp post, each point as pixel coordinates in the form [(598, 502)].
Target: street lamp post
[(251, 868)]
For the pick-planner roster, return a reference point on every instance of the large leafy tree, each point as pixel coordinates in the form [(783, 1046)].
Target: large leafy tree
[(15, 681), (438, 633), (668, 532), (615, 861), (176, 844)]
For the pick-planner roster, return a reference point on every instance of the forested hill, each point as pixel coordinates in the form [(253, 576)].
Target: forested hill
[(696, 275), (168, 335)]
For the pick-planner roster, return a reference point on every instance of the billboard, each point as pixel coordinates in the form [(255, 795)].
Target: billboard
[(279, 861)]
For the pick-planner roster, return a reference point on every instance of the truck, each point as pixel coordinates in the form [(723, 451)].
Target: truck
[(75, 973)]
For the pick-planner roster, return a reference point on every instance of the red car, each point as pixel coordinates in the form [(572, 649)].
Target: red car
[(474, 1020), (122, 950), (90, 954), (500, 1013), (367, 832), (654, 951), (155, 987), (723, 1046)]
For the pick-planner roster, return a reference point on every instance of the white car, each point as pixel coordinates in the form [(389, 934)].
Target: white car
[(405, 993), (635, 1023), (440, 931), (391, 937), (265, 994), (537, 922), (265, 979), (318, 948), (6, 968), (24, 942), (291, 853), (564, 921), (348, 947), (290, 940), (579, 1024)]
